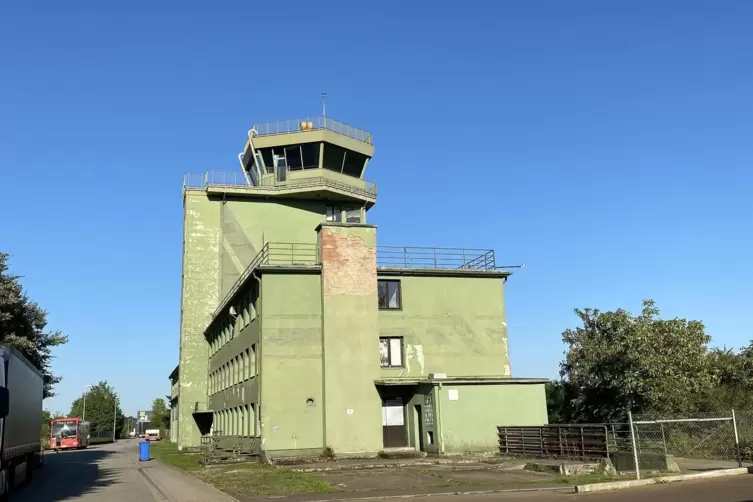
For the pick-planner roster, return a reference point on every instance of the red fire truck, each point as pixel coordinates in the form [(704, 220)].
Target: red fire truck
[(69, 433)]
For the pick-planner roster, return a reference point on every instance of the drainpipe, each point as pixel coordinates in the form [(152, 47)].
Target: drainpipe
[(257, 367), (440, 439)]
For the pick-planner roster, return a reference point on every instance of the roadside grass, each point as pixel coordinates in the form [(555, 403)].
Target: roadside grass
[(241, 480), (253, 480), (168, 453)]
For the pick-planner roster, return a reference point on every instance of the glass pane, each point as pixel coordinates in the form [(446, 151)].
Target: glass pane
[(353, 215), (382, 292), (393, 289), (396, 352), (384, 352)]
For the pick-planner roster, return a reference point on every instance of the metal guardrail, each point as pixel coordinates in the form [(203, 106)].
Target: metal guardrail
[(437, 258), (201, 181), (101, 437), (312, 123), (558, 441), (298, 253), (219, 449)]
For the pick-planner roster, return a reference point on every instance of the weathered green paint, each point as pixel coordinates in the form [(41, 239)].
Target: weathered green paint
[(316, 329), (246, 226), (470, 422), (292, 362), (451, 325), (352, 420), (200, 295)]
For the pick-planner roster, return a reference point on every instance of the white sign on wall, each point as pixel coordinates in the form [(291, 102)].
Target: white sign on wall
[(453, 394)]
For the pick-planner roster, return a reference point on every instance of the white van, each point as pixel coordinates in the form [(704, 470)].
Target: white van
[(151, 434)]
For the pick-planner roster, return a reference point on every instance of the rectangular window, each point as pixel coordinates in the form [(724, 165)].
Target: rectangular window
[(391, 352), (253, 420), (334, 213), (253, 361), (353, 215), (246, 311), (389, 294)]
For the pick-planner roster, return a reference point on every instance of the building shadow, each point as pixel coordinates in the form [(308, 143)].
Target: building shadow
[(67, 475)]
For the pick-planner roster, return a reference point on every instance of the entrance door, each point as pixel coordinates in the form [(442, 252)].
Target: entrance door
[(418, 426), (394, 432)]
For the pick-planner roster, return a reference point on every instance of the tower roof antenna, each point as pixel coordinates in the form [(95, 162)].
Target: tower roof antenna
[(324, 104)]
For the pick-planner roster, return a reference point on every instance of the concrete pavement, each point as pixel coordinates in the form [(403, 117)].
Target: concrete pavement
[(732, 489), (112, 473)]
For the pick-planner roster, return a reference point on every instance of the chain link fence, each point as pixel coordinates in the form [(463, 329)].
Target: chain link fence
[(650, 443), (690, 442)]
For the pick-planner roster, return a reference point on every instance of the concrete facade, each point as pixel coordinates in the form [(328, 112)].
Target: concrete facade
[(302, 334)]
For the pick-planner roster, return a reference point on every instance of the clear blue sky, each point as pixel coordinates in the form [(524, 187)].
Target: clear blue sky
[(607, 145)]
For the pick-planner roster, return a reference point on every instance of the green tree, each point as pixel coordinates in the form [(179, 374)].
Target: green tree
[(732, 374), (618, 362), (160, 416), (23, 325), (101, 403), (558, 398)]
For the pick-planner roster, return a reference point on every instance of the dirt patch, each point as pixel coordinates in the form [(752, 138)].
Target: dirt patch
[(436, 476)]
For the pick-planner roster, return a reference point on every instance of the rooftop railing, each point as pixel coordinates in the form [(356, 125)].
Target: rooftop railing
[(236, 179), (289, 254), (314, 123), (436, 258)]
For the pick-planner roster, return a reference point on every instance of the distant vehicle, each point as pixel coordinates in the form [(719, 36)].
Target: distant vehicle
[(69, 434), (21, 390), (151, 434)]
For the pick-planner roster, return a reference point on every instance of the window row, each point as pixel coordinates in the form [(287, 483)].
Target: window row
[(238, 369), (239, 317), (239, 421), (351, 214)]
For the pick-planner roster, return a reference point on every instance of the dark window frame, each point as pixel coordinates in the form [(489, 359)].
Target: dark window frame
[(389, 352), (387, 296), (337, 213)]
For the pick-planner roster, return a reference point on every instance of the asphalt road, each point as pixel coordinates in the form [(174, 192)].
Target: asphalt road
[(99, 473)]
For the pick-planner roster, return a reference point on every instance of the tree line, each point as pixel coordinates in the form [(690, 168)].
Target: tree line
[(616, 361), (23, 325)]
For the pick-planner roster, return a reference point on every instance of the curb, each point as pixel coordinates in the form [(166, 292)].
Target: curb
[(621, 485)]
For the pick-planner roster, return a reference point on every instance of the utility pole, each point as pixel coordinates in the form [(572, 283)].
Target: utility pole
[(86, 390), (114, 415)]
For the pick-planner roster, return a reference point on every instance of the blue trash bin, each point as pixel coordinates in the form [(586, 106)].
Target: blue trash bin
[(144, 451)]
